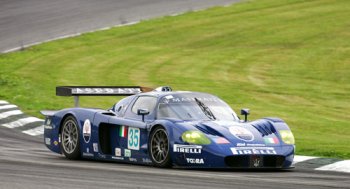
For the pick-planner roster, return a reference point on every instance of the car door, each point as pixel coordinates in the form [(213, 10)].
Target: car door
[(131, 134)]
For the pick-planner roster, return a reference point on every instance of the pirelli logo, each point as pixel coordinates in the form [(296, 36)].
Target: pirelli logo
[(253, 150), (189, 149)]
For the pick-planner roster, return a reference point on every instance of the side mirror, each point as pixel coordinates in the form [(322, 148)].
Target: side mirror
[(142, 112), (245, 112)]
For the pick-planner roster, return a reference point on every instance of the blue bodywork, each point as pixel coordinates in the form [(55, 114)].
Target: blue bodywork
[(233, 144)]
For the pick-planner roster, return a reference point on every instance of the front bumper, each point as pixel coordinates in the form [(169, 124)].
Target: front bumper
[(224, 158)]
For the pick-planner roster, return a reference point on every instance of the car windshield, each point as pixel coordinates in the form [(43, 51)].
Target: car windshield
[(195, 106)]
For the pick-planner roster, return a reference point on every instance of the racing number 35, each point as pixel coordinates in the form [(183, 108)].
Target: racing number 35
[(133, 138)]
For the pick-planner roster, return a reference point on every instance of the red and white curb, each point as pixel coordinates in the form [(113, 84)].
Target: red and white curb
[(10, 113)]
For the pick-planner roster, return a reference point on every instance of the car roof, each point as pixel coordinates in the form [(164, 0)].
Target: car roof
[(160, 94)]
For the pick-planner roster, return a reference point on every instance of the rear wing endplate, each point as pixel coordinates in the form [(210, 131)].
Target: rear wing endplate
[(77, 91)]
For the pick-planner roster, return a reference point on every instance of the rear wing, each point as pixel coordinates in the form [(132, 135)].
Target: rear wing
[(77, 91)]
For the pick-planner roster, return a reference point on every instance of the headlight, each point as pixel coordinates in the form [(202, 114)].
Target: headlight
[(287, 136), (195, 137)]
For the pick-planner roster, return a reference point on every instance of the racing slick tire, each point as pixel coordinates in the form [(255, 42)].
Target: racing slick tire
[(70, 138), (159, 150)]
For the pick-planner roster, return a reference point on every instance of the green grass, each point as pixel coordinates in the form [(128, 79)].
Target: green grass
[(282, 58)]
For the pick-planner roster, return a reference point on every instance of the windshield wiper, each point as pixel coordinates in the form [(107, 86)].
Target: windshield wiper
[(205, 109)]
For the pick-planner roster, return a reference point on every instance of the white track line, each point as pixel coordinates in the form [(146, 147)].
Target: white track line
[(10, 113), (7, 107), (340, 166), (36, 131), (3, 102), (21, 122), (298, 159)]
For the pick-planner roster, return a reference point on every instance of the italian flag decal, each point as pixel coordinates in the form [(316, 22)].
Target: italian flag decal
[(123, 131), (271, 140)]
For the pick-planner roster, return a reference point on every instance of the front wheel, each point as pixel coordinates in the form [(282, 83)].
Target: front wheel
[(70, 138), (159, 147)]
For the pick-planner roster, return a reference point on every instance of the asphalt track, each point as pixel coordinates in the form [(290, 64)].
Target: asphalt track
[(26, 163), (24, 22)]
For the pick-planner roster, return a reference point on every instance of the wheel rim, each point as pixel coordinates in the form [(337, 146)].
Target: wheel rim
[(69, 136), (160, 146)]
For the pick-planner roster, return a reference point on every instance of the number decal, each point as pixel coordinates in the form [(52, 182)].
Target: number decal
[(133, 138)]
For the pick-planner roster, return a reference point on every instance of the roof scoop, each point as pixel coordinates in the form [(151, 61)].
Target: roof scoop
[(163, 89)]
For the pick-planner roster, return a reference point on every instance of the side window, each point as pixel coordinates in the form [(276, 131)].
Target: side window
[(121, 106), (145, 102)]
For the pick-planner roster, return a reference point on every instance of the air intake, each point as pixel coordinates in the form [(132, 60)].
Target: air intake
[(163, 89), (245, 161), (264, 127), (208, 130)]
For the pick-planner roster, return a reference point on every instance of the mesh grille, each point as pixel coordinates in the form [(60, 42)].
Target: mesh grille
[(245, 161)]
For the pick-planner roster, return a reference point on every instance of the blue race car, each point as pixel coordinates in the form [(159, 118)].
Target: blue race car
[(167, 128)]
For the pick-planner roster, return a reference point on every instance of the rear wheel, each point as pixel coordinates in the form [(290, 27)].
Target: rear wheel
[(70, 138), (159, 147)]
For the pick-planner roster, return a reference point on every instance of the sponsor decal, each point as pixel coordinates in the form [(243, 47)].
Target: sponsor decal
[(248, 144), (189, 149), (221, 140), (48, 141), (55, 143), (95, 145), (146, 160), (241, 133), (133, 159), (253, 150), (87, 131), (118, 152), (123, 131), (195, 160), (87, 150), (271, 140), (118, 158), (133, 138), (188, 99), (256, 145), (47, 127), (240, 144), (102, 156), (88, 154), (127, 153), (167, 98), (106, 90)]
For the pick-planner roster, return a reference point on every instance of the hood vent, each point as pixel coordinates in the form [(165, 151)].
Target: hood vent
[(264, 127), (208, 130)]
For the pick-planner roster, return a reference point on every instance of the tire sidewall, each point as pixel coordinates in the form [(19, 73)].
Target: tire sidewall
[(76, 153)]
